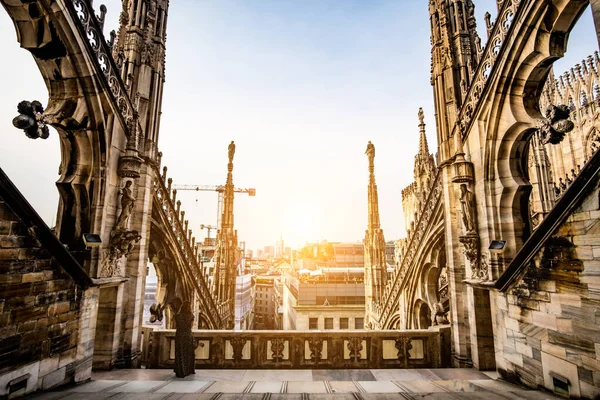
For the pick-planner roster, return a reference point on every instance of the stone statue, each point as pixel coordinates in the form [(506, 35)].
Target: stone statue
[(370, 152), (440, 317), (467, 208), (231, 151), (127, 203)]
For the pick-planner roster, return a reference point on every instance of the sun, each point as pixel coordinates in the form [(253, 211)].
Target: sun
[(301, 226)]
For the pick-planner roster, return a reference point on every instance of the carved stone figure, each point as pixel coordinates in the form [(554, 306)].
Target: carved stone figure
[(467, 208), (370, 152), (231, 152), (127, 203), (556, 125), (440, 315), (121, 244)]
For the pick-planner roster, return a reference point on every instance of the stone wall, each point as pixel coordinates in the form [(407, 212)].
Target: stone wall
[(547, 329), (45, 337)]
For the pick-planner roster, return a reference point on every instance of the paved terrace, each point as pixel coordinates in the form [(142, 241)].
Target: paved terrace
[(367, 384)]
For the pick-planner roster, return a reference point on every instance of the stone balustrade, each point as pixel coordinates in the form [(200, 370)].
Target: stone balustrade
[(304, 349)]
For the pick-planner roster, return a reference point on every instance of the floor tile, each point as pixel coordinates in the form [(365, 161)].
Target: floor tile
[(403, 374), (96, 386), (182, 387), (459, 373), (134, 374), (306, 387), (138, 387), (278, 375), (266, 387), (379, 387), (139, 396), (342, 375), (217, 375), (227, 387), (343, 387), (419, 387)]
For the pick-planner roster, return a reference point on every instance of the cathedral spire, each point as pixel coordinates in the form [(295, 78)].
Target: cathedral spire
[(139, 52), (455, 53), (375, 263), (226, 252), (423, 147)]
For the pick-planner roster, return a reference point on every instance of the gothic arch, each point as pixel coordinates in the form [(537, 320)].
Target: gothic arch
[(79, 107), (421, 315), (589, 141), (513, 109), (394, 322)]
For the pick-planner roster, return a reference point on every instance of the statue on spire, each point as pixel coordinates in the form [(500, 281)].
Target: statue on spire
[(231, 151), (370, 152), (421, 116)]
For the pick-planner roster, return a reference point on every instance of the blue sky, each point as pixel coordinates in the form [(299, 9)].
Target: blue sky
[(300, 85)]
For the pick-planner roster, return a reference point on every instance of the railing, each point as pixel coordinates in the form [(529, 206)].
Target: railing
[(304, 349), (493, 48), (395, 285), (185, 243)]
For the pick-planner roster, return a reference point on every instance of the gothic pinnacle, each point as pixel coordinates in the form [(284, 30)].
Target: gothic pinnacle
[(423, 146)]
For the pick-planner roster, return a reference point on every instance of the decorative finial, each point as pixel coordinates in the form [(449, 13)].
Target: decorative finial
[(31, 119), (231, 151), (421, 116)]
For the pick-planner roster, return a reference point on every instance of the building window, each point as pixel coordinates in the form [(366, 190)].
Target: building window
[(328, 323), (359, 323), (343, 323), (313, 323)]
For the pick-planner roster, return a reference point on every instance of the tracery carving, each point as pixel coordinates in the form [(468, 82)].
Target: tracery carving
[(496, 35)]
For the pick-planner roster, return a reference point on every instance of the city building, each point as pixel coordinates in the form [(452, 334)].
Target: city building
[(267, 302), (333, 298), (244, 302)]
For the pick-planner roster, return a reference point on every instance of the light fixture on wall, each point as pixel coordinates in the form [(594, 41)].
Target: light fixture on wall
[(92, 240), (497, 246)]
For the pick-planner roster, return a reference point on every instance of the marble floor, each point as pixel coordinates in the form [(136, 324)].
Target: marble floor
[(149, 384)]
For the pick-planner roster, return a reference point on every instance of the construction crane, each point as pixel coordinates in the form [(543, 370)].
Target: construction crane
[(208, 228), (220, 189)]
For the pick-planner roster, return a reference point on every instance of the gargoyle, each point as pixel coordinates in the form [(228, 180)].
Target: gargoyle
[(31, 119), (556, 125)]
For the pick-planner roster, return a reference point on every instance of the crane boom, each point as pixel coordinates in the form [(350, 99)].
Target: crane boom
[(220, 189), (214, 188)]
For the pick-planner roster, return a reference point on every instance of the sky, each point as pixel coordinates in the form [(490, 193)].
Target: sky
[(301, 86)]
